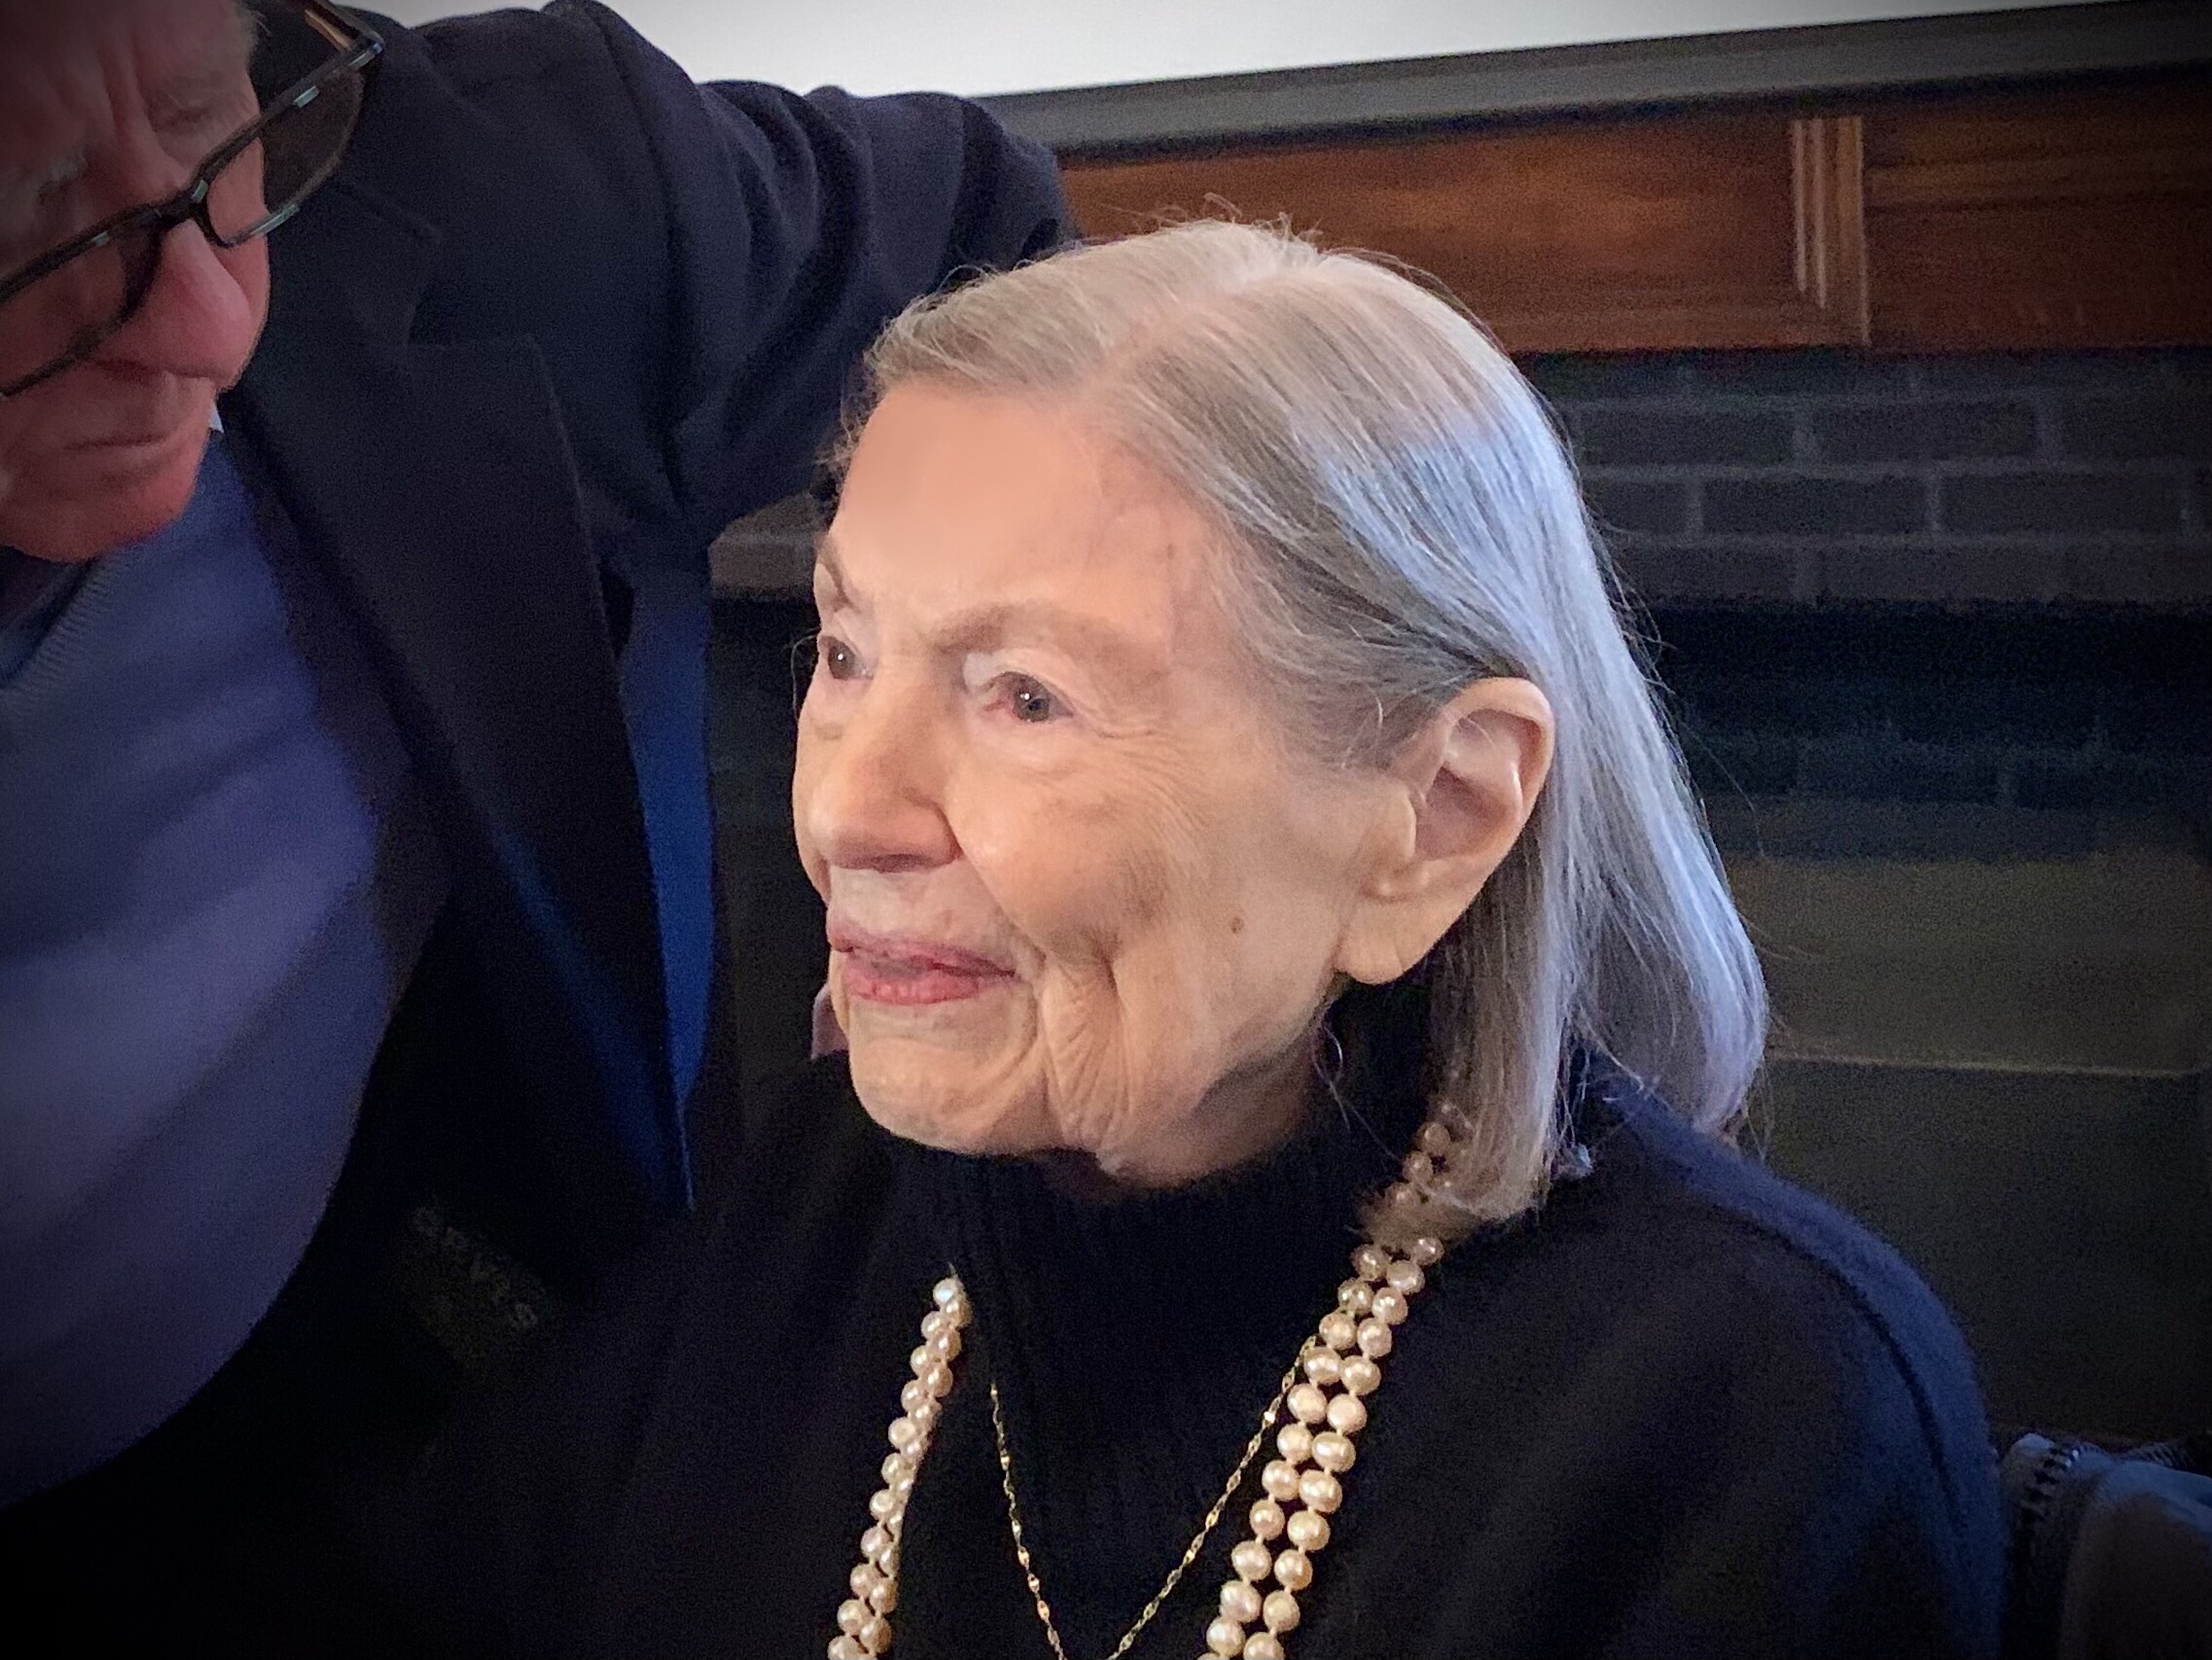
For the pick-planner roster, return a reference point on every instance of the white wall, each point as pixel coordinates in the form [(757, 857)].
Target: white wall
[(980, 46)]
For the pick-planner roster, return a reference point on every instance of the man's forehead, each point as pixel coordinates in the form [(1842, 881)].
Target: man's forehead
[(162, 38), (189, 39), (55, 69)]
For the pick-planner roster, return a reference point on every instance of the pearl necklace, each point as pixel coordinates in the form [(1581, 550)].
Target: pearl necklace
[(1303, 1486)]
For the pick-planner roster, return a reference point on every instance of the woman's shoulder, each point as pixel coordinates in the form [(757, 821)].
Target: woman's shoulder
[(1682, 1292), (1687, 1206), (1758, 1371)]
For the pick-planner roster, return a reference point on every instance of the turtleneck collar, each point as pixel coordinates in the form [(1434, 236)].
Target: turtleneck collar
[(1137, 1339)]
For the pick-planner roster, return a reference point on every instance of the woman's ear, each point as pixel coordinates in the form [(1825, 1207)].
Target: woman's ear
[(1462, 790)]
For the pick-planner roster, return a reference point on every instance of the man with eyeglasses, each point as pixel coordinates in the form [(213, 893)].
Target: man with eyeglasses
[(369, 399)]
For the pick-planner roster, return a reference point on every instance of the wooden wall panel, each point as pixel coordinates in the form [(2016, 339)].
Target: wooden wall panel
[(2078, 219), (1727, 229)]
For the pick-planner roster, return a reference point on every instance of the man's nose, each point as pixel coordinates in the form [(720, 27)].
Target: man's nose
[(876, 798), (199, 320)]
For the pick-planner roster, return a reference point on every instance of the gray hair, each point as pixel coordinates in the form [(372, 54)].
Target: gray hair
[(1402, 520)]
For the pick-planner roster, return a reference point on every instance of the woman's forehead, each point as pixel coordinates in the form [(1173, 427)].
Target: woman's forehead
[(1130, 619), (1014, 489)]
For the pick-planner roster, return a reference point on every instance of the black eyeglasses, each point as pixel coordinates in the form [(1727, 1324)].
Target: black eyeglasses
[(61, 309)]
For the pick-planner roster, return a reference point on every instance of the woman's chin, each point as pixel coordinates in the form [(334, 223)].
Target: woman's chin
[(931, 1098)]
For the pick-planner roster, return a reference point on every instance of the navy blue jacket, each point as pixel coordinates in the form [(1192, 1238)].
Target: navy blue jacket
[(560, 319)]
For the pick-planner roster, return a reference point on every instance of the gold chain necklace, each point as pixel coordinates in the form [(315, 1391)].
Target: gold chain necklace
[(1190, 1552), (1340, 1367)]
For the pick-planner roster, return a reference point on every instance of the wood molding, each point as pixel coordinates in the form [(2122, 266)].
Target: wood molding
[(2059, 219), (2012, 43), (1829, 168), (1711, 230)]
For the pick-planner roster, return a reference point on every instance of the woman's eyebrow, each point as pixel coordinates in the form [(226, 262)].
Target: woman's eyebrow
[(828, 569), (990, 627)]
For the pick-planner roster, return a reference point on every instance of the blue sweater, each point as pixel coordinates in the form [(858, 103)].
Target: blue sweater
[(216, 873)]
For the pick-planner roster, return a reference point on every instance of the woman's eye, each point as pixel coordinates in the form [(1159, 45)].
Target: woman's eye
[(1027, 700), (837, 659)]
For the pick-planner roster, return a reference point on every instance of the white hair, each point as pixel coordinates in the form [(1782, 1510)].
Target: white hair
[(1402, 520)]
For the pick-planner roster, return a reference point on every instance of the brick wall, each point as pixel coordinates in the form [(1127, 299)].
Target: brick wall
[(1827, 477), (1976, 584)]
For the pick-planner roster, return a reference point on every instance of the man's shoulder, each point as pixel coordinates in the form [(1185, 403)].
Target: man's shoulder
[(510, 144), (455, 96), (478, 51)]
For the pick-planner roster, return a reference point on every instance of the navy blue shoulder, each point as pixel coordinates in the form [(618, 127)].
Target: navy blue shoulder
[(1649, 1159)]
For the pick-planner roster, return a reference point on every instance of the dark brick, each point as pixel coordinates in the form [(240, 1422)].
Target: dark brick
[(1921, 431), (2061, 504), (1724, 768), (2137, 428), (2029, 575), (2006, 370), (1886, 576), (2102, 783), (1875, 772), (1570, 378), (2177, 578), (1760, 575), (1815, 506), (1817, 371), (1648, 506), (1668, 437), (1806, 827), (2003, 713), (794, 516), (2175, 718), (2193, 368), (1718, 703)]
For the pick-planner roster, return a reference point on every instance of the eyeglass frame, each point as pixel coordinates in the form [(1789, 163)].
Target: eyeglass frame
[(361, 50)]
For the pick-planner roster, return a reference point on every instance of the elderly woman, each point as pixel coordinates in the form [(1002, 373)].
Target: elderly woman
[(1277, 1199)]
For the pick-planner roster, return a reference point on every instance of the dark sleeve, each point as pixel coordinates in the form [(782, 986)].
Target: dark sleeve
[(501, 1538), (495, 1534), (797, 227)]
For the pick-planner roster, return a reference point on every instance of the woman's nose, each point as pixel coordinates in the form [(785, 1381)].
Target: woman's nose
[(872, 796)]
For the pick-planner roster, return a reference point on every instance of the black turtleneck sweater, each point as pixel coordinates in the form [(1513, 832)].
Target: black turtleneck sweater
[(1684, 1411)]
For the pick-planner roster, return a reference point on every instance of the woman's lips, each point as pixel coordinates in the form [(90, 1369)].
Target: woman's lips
[(901, 970)]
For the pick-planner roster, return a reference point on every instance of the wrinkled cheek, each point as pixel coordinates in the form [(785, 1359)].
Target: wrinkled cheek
[(1129, 1051), (969, 1086)]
